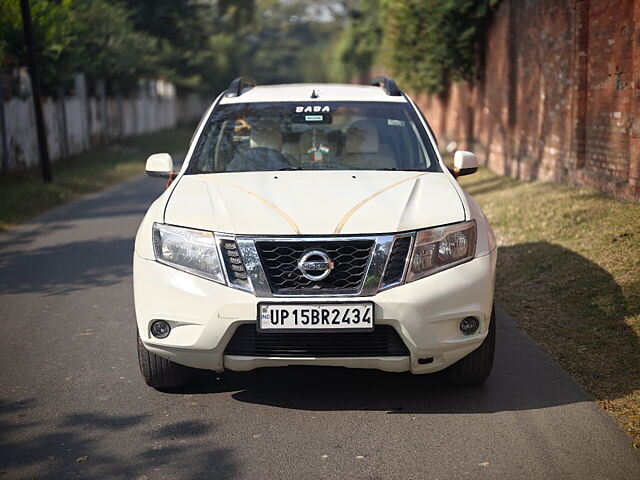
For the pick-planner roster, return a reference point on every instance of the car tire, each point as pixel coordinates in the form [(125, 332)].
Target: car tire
[(160, 373), (475, 367)]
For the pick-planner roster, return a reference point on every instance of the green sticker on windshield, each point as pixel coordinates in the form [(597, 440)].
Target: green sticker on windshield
[(313, 118)]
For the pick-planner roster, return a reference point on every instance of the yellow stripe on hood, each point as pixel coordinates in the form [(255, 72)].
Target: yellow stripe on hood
[(266, 202), (358, 205)]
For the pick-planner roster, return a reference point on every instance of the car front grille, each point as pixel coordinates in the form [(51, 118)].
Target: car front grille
[(280, 262), (383, 341), (236, 271), (397, 261)]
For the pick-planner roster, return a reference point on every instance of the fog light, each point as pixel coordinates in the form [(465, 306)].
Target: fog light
[(469, 325), (161, 329)]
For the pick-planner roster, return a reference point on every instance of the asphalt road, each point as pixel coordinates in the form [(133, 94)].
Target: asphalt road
[(73, 404)]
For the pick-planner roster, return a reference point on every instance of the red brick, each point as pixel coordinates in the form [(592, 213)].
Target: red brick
[(545, 110)]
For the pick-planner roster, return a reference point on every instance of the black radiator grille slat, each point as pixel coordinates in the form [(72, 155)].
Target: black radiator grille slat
[(397, 260), (233, 262), (383, 341), (280, 263)]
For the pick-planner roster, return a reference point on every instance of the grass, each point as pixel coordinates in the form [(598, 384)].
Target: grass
[(23, 195), (569, 273)]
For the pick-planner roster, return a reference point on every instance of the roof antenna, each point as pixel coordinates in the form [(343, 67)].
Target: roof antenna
[(314, 94)]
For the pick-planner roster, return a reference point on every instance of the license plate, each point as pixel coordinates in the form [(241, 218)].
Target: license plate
[(315, 316)]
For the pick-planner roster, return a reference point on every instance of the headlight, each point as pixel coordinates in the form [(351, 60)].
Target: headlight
[(440, 248), (193, 251)]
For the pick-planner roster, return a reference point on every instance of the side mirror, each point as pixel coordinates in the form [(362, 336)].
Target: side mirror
[(159, 165), (464, 163)]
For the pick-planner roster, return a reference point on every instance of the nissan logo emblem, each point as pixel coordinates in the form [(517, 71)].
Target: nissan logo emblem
[(315, 265)]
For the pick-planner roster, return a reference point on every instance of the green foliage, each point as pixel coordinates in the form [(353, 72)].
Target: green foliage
[(95, 37), (287, 41), (121, 40), (203, 44), (430, 43), (108, 46), (55, 33), (196, 44), (183, 31), (425, 44), (357, 48)]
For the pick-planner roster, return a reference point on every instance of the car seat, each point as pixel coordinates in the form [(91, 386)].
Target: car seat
[(362, 148)]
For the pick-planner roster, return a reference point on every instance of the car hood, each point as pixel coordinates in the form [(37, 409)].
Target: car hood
[(314, 202)]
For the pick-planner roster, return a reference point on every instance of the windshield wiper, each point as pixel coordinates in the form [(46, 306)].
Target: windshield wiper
[(288, 168)]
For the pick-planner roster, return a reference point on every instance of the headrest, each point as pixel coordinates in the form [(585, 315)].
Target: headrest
[(266, 134), (362, 137)]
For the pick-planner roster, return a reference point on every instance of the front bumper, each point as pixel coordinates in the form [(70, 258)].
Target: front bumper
[(204, 316)]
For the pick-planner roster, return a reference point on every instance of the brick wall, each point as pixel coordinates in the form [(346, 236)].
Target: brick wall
[(558, 96)]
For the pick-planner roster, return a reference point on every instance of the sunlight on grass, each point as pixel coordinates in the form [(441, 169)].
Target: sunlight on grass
[(569, 273), (23, 195)]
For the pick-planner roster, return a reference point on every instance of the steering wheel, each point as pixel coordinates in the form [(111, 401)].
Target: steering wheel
[(258, 159)]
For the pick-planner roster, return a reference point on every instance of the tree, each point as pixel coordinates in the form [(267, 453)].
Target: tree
[(108, 45), (198, 45), (357, 48), (290, 41), (431, 43), (55, 33), (194, 38), (425, 44), (96, 37)]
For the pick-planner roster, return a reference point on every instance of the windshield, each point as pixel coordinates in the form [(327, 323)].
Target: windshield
[(252, 137)]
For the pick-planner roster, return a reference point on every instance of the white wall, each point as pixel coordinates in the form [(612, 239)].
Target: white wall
[(78, 122)]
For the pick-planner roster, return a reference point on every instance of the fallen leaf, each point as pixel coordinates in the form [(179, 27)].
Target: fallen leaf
[(82, 458), (484, 464)]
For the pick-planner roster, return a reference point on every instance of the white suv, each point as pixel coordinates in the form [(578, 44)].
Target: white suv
[(314, 225)]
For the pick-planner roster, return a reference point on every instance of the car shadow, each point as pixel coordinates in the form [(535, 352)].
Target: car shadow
[(571, 305), (576, 310), (523, 378)]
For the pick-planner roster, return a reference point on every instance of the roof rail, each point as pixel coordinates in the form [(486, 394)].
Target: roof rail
[(388, 85), (237, 86)]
